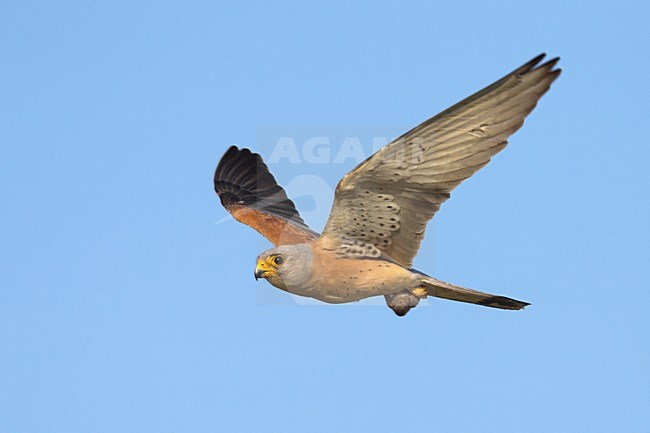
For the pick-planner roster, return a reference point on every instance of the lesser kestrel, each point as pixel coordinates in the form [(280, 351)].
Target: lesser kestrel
[(381, 208)]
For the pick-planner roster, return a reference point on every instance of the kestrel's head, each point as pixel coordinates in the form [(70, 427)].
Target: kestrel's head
[(285, 266)]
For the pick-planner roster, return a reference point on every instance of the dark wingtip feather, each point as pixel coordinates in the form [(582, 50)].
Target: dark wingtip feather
[(529, 65), (242, 177), (538, 58), (534, 65), (550, 64)]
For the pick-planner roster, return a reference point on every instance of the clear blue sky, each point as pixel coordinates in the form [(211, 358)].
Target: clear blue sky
[(127, 304)]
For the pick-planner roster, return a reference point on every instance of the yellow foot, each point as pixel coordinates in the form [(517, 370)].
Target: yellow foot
[(420, 292)]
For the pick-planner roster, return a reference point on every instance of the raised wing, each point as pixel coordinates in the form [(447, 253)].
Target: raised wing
[(252, 196), (385, 203)]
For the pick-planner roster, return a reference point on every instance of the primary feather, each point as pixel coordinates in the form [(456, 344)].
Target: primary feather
[(384, 204)]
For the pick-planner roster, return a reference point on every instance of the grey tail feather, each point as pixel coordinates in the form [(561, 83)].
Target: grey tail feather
[(441, 289)]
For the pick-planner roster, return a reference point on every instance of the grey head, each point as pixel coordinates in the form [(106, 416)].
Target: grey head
[(287, 267)]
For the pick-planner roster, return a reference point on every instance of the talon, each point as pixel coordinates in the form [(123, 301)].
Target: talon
[(420, 292)]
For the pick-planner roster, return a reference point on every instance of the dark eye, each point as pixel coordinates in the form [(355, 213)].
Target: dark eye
[(278, 260)]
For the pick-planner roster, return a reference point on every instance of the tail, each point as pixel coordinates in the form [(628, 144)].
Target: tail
[(441, 289)]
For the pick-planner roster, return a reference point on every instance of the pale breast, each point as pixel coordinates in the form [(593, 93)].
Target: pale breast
[(339, 280)]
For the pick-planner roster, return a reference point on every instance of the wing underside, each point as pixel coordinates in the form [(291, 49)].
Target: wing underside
[(384, 204)]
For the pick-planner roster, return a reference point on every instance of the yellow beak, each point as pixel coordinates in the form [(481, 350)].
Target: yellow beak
[(263, 269)]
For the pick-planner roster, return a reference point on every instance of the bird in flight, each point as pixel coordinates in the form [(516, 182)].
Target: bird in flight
[(382, 207)]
